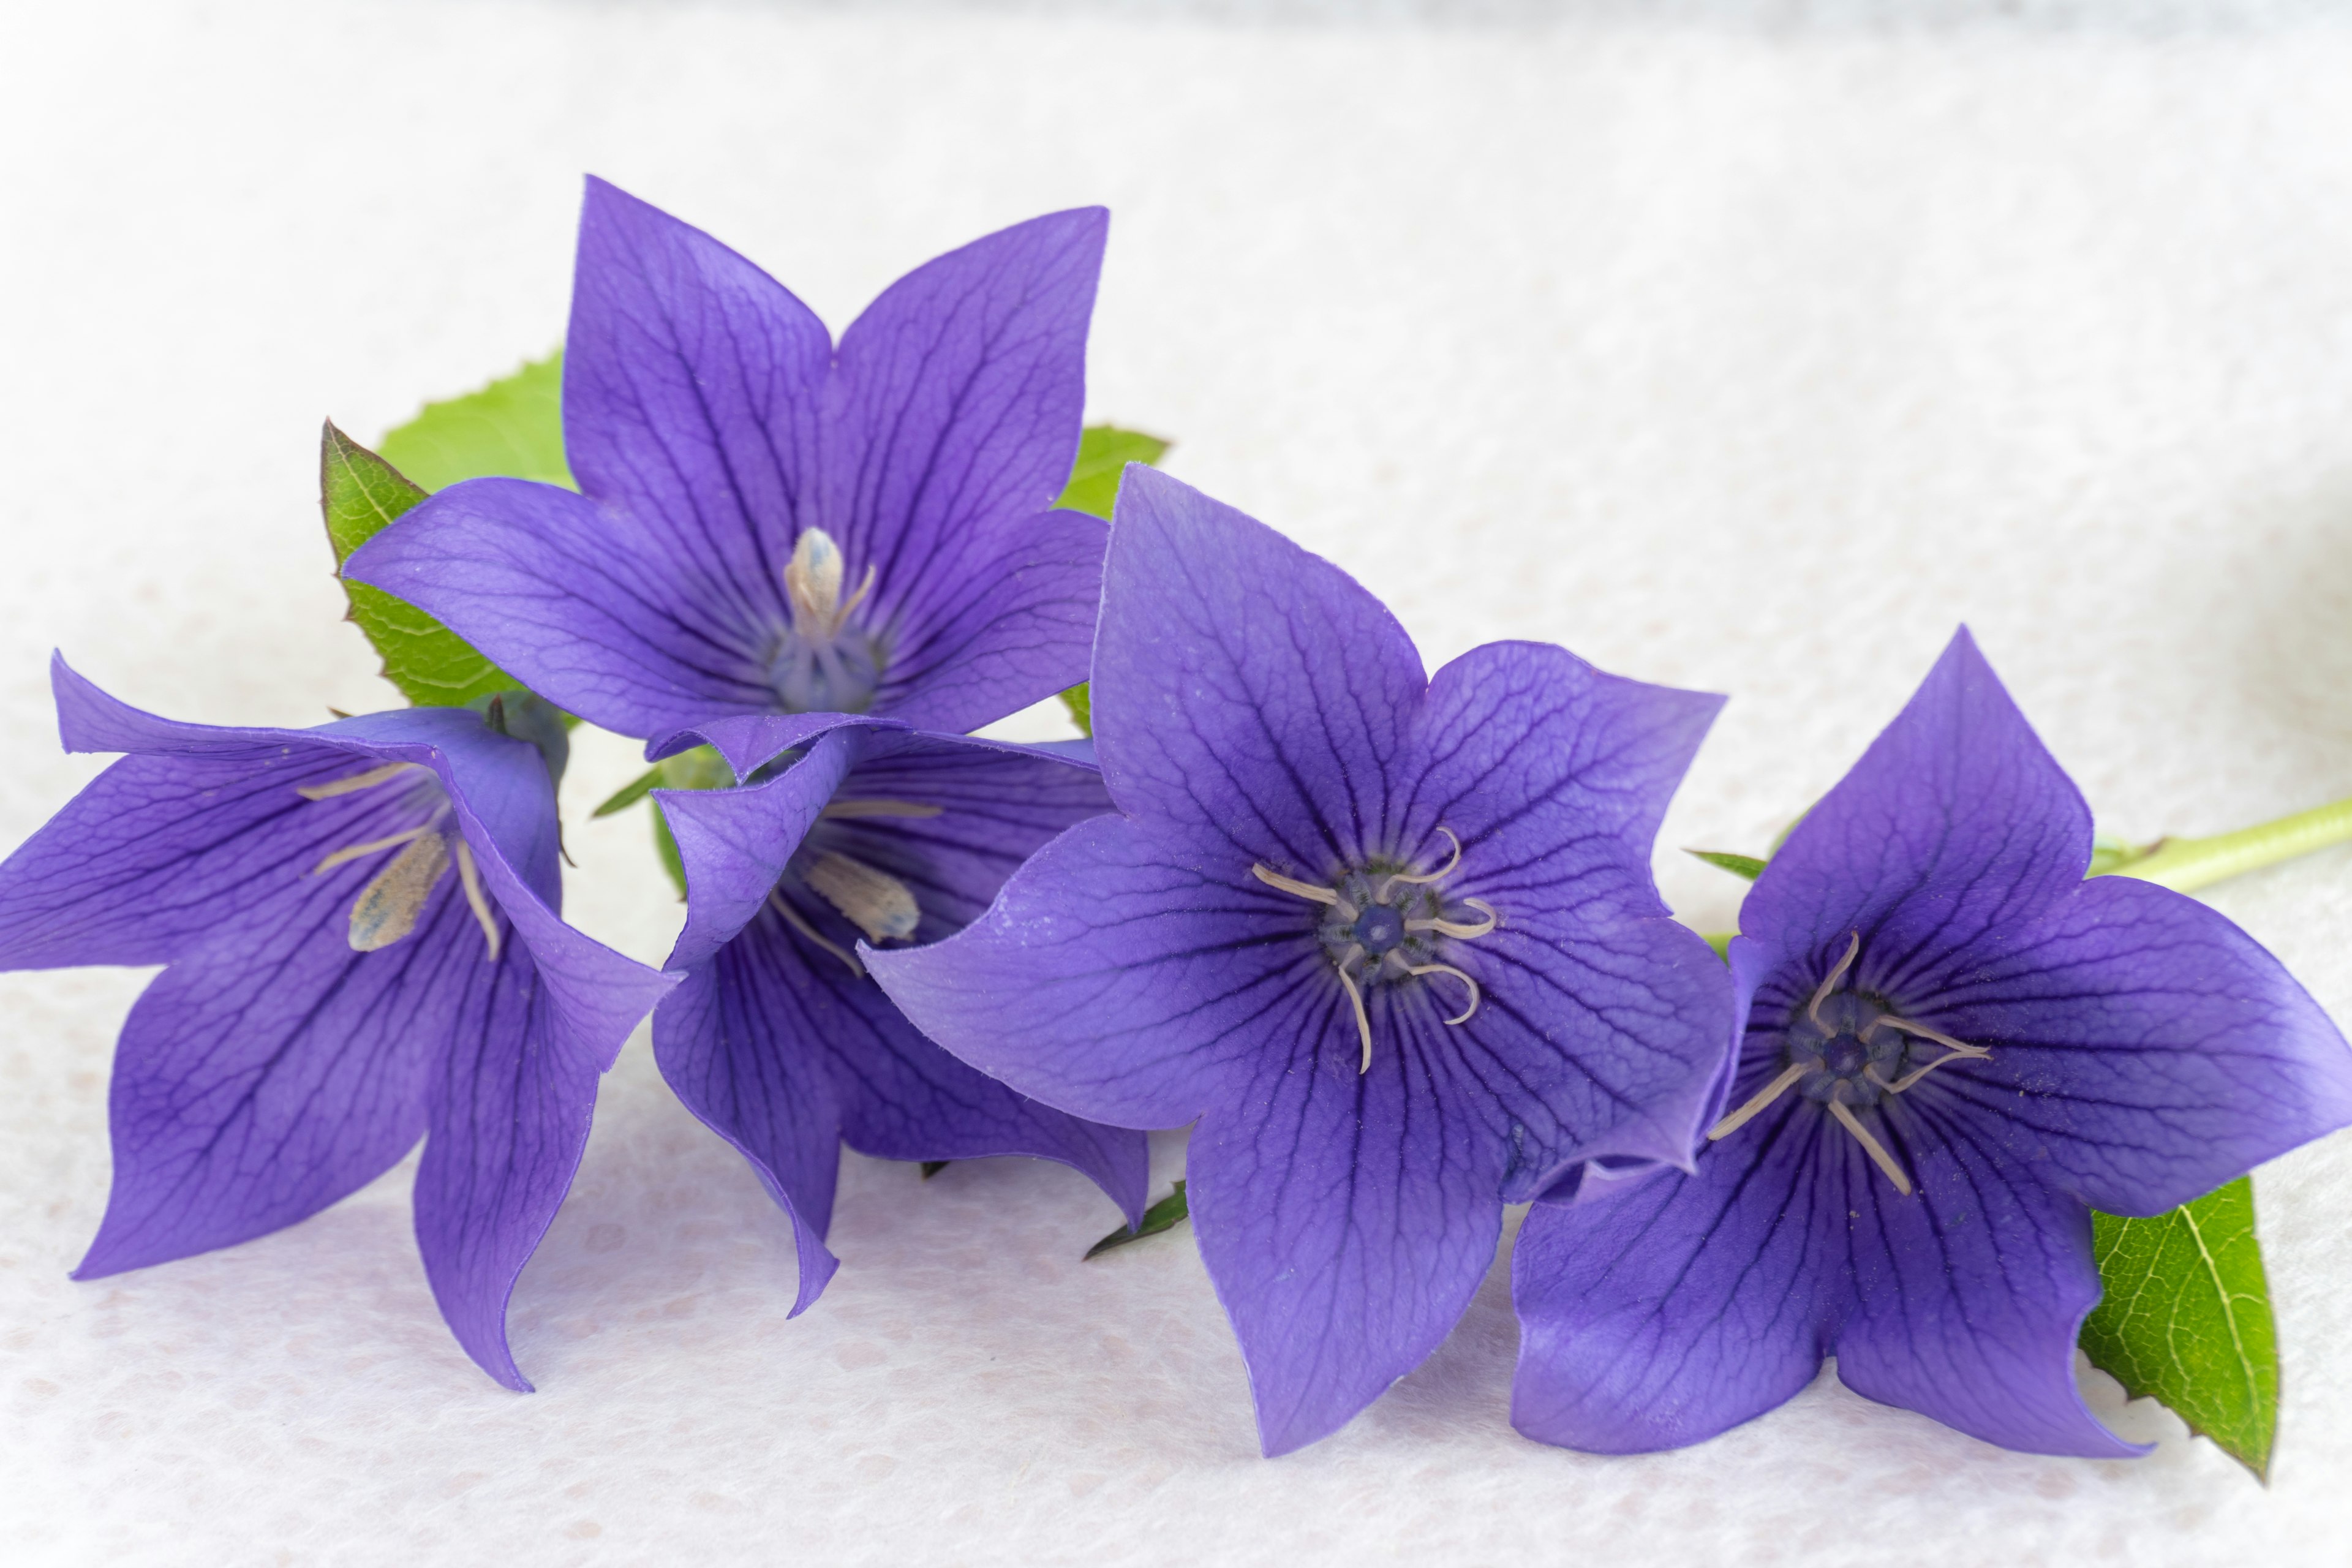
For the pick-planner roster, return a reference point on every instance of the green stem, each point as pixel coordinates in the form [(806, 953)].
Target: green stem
[(2185, 865)]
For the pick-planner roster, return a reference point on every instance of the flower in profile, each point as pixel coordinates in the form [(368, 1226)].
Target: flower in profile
[(779, 1039), (768, 525), (1954, 1047), (360, 929), (1392, 940)]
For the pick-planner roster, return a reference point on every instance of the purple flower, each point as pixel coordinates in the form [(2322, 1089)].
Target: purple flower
[(778, 1040), (768, 525), (360, 927), (1392, 940), (1955, 1048)]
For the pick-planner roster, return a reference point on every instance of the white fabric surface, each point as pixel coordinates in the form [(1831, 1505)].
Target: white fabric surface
[(1748, 350)]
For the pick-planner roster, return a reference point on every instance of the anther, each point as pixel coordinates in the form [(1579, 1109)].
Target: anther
[(372, 846), (875, 901), (794, 919), (470, 880), (1449, 969), (1424, 878), (1822, 994), (852, 808), (1455, 928), (352, 782), (1363, 1022), (1293, 886), (388, 907), (1871, 1146), (1759, 1101)]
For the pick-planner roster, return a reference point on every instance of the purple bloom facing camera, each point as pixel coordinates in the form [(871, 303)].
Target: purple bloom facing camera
[(360, 928), (1392, 940), (1954, 1048)]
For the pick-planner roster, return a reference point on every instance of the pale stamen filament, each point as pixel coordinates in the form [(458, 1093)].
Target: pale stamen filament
[(470, 879), (1449, 969), (353, 783), (1822, 993), (1424, 878), (1455, 928), (794, 919), (1293, 886), (373, 846), (1761, 1099), (1871, 1146), (1363, 1020), (840, 807)]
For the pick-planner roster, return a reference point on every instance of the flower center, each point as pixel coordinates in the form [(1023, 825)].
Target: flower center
[(1381, 923), (867, 897), (823, 664), (388, 907), (1848, 1050)]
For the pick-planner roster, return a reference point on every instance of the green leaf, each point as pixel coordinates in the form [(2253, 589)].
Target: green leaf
[(1080, 701), (2187, 1319), (513, 426), (1104, 453), (700, 768), (359, 492), (666, 848), (629, 793), (1746, 866), (1165, 1214)]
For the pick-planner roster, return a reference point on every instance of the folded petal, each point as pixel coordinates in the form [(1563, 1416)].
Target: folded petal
[(1969, 1294), (952, 424), (1345, 1217), (1674, 1308), (584, 606), (735, 843), (2145, 1050), (509, 1108), (1243, 686), (1119, 975), (1955, 822), (693, 396), (729, 1042)]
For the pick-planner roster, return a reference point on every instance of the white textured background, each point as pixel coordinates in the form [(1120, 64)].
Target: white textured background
[(1747, 346)]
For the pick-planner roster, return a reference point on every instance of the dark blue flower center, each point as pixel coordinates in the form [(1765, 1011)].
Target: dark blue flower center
[(1851, 1039), (1379, 929)]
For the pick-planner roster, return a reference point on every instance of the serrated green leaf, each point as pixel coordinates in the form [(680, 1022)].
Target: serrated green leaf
[(1104, 453), (513, 426), (359, 493), (1080, 701), (1746, 866), (2187, 1319), (1165, 1214)]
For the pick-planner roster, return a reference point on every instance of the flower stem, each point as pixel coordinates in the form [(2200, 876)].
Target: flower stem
[(2185, 865)]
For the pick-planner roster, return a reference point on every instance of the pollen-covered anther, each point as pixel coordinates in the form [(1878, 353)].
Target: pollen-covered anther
[(872, 900), (1424, 877), (1466, 1012), (389, 905)]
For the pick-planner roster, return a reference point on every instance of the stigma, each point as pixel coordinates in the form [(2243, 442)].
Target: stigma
[(1384, 923), (822, 663), (1849, 1051)]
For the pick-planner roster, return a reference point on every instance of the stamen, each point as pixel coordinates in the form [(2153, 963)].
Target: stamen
[(1455, 928), (1449, 969), (1822, 994), (1958, 1047), (1294, 886), (373, 846), (1759, 1101), (1426, 877), (812, 582), (794, 919), (388, 907), (471, 881), (1363, 1022), (1871, 1147), (849, 808), (353, 783), (840, 615), (875, 901)]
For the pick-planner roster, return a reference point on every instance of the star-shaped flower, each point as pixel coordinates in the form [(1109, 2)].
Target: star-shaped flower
[(1954, 1048), (767, 524), (779, 1040), (361, 930), (1391, 940)]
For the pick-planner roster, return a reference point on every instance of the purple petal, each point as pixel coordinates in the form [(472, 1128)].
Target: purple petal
[(1345, 1219), (1956, 822), (1118, 977), (951, 424), (1678, 1307), (2145, 1050), (1602, 1021), (581, 603), (1970, 1295), (735, 843), (1247, 687)]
